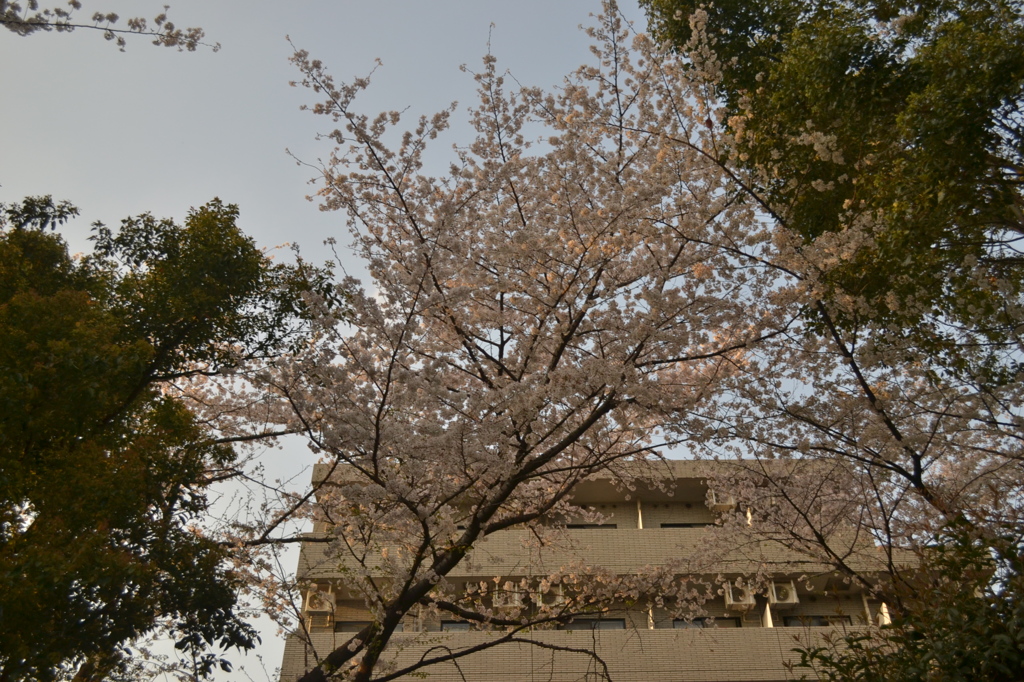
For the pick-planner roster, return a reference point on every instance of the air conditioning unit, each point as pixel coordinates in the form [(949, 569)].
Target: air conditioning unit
[(738, 598), (783, 594), (318, 602), (721, 502)]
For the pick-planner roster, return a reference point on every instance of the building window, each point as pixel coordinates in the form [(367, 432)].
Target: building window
[(454, 626), (685, 525), (707, 622), (591, 525), (595, 624), (814, 621)]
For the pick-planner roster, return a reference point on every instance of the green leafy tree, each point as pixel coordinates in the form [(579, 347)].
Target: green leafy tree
[(961, 618), (103, 468), (903, 120), (887, 140)]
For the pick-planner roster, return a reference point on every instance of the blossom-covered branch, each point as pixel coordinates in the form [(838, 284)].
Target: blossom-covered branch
[(25, 18)]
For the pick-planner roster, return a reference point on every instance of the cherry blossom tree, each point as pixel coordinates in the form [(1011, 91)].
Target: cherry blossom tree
[(595, 278), (583, 277)]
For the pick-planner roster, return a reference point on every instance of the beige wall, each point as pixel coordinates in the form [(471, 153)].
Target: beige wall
[(720, 655), (751, 652)]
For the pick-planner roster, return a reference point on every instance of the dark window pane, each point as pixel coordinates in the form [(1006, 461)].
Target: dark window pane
[(596, 624), (683, 624), (454, 626), (815, 621)]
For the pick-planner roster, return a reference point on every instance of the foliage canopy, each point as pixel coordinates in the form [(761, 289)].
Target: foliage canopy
[(962, 618), (103, 467), (901, 118)]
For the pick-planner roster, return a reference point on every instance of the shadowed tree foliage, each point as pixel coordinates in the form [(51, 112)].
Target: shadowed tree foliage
[(103, 469), (961, 618)]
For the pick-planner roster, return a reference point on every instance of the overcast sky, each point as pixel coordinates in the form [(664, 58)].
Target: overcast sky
[(153, 130)]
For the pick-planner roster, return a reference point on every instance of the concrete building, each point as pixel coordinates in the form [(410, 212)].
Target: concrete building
[(744, 635)]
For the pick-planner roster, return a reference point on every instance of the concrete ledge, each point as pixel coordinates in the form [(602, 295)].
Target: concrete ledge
[(710, 655)]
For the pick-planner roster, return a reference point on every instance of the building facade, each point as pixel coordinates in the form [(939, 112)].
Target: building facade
[(739, 634)]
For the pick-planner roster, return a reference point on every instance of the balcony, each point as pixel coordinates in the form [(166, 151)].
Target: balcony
[(620, 550)]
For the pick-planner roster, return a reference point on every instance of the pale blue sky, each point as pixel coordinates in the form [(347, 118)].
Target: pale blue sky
[(154, 130)]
